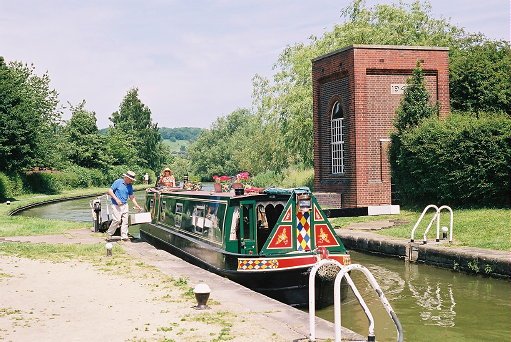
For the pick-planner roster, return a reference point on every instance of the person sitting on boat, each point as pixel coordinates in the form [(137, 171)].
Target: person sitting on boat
[(167, 179)]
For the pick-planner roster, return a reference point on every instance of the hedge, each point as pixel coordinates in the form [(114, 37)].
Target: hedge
[(10, 186), (461, 160)]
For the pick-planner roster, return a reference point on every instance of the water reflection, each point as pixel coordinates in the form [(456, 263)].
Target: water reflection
[(431, 303), (436, 299)]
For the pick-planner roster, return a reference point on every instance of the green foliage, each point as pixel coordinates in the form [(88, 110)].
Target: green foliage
[(448, 161), (181, 167), (81, 177), (85, 146), (134, 139), (180, 133), (28, 118), (5, 191), (414, 106), (267, 179), (480, 77), (216, 150), (10, 186), (45, 182), (291, 177), (298, 176)]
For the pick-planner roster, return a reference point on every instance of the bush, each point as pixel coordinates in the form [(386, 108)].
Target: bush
[(46, 182), (292, 177), (297, 176), (81, 177), (267, 179), (116, 172), (10, 186), (462, 160), (17, 186), (5, 187)]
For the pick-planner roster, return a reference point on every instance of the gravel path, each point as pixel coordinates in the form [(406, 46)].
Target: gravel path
[(139, 295)]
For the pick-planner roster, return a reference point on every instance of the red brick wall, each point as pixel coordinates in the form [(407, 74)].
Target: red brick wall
[(361, 76)]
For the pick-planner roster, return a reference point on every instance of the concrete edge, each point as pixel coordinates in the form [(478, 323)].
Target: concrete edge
[(462, 259), (281, 317)]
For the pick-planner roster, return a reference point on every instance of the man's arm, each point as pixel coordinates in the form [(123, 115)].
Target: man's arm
[(134, 200), (111, 193)]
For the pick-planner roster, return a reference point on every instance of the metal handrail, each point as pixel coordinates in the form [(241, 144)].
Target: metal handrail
[(451, 223), (312, 299), (337, 300), (420, 219), (436, 217)]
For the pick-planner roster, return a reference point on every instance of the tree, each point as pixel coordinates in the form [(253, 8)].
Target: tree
[(414, 106), (133, 138), (29, 119), (286, 100), (214, 150), (86, 147), (480, 77), (413, 109)]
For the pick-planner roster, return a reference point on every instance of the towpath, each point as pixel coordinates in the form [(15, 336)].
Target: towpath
[(80, 301)]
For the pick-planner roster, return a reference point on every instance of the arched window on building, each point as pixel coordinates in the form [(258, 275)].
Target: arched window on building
[(337, 138)]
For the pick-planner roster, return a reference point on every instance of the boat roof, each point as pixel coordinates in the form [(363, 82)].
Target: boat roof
[(231, 195)]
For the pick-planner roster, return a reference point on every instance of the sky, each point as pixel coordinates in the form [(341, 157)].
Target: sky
[(192, 61)]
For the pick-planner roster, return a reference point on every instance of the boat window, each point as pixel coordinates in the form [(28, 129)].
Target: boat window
[(198, 218), (263, 230), (179, 208), (246, 223), (178, 217), (262, 222), (163, 206), (273, 213), (235, 224)]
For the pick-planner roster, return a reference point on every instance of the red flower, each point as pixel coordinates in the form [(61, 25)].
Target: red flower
[(243, 175)]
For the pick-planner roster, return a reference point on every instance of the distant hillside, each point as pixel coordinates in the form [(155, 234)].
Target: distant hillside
[(173, 134), (180, 133)]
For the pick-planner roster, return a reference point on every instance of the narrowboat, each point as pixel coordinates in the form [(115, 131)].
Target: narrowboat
[(267, 240)]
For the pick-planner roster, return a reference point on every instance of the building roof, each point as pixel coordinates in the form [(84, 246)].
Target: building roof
[(383, 47)]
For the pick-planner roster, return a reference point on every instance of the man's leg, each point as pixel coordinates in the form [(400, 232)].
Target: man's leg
[(124, 221), (116, 220)]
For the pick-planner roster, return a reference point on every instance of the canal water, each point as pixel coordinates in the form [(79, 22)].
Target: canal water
[(433, 304)]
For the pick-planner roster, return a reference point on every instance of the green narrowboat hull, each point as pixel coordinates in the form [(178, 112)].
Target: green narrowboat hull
[(226, 241)]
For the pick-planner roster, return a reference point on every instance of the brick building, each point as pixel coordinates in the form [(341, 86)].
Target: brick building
[(356, 91)]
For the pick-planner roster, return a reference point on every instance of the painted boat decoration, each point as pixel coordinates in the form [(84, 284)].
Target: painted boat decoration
[(265, 241)]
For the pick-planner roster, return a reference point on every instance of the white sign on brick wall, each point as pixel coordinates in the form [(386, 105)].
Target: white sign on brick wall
[(397, 88)]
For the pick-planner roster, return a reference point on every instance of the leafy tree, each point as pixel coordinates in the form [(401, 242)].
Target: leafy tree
[(287, 99), (279, 131), (413, 109), (480, 76), (133, 138), (414, 106), (86, 147), (29, 119), (213, 151)]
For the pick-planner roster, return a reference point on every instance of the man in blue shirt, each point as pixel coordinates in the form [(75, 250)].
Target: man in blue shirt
[(120, 191)]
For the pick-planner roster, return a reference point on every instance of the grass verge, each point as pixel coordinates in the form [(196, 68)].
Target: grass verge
[(481, 228)]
